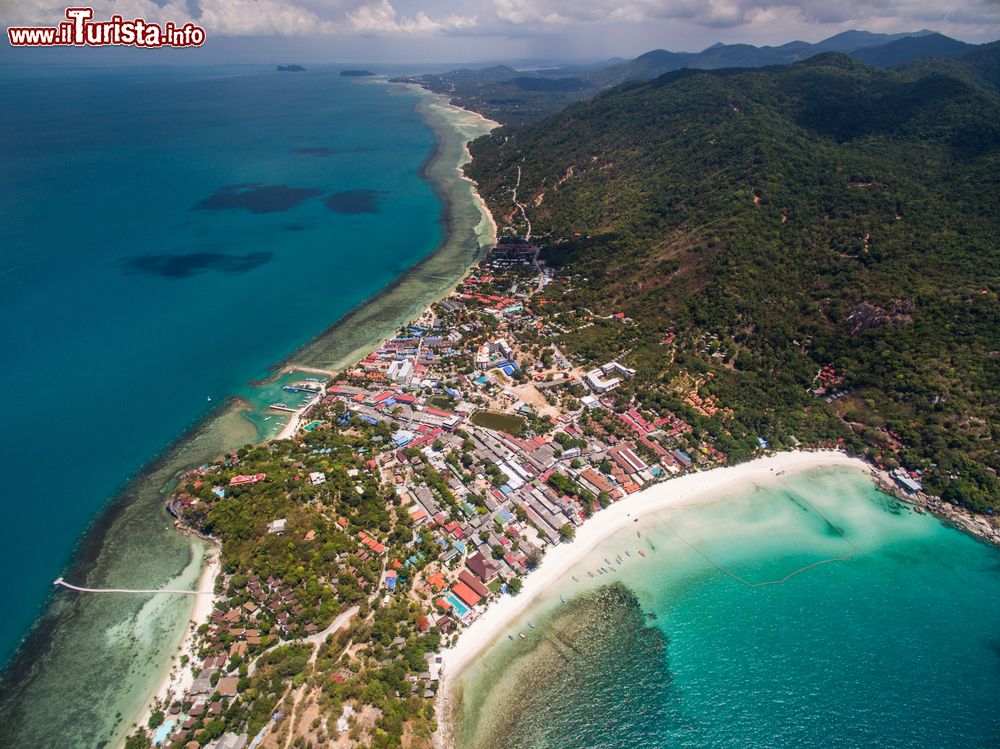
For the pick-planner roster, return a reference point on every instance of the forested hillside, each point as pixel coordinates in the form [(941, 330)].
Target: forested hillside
[(511, 97), (778, 221)]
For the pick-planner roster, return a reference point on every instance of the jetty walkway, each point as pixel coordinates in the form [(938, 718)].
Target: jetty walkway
[(63, 583)]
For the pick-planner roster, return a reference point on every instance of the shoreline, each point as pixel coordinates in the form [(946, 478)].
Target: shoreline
[(177, 680), (672, 493), (467, 236), (448, 133), (139, 499)]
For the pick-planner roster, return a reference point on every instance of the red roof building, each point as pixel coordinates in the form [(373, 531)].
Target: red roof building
[(477, 587), (465, 593), (241, 480)]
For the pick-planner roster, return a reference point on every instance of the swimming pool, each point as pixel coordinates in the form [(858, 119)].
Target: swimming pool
[(455, 601), (163, 731)]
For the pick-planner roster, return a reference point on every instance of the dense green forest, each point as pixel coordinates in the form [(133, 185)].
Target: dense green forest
[(780, 220)]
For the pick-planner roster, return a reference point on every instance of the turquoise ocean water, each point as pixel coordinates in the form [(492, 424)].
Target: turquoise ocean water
[(168, 234), (896, 646)]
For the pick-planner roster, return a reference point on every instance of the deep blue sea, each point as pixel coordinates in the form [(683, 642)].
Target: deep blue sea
[(166, 235)]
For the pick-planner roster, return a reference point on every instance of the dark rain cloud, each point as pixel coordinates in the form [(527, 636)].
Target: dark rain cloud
[(195, 263), (354, 201), (257, 198)]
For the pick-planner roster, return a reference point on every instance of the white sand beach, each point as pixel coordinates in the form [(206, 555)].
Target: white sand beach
[(693, 487), (177, 680)]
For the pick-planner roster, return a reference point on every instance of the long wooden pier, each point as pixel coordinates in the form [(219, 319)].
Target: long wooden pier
[(173, 591)]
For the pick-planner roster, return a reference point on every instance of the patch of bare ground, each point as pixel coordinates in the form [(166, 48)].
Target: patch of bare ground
[(530, 395)]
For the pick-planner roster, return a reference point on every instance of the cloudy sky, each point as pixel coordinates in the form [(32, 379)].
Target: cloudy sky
[(480, 30)]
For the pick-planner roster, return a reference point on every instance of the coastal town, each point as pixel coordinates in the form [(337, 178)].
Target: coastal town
[(417, 487), (504, 376)]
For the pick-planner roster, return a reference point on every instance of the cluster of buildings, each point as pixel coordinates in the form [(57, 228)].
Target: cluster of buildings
[(500, 497), (495, 452)]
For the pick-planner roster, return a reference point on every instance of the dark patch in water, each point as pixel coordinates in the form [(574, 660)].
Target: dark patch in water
[(318, 151), (354, 201), (257, 198), (294, 227), (596, 675), (195, 263)]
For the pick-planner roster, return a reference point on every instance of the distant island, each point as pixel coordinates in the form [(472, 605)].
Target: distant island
[(290, 68), (355, 73)]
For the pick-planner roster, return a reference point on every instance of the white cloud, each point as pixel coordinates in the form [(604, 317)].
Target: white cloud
[(260, 18), (380, 17), (751, 19), (727, 13), (249, 17)]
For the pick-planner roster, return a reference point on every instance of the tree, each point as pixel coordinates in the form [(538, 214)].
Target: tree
[(514, 586), (567, 532), (138, 740)]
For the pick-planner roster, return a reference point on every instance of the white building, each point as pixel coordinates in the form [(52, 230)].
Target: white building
[(277, 526), (483, 357), (503, 348), (400, 370), (342, 721), (608, 377)]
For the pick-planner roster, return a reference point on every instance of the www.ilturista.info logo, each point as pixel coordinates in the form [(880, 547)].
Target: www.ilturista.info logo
[(80, 30)]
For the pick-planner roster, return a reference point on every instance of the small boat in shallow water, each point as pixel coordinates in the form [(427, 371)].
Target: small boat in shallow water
[(562, 599), (521, 635), (642, 553), (574, 579), (510, 637), (531, 625)]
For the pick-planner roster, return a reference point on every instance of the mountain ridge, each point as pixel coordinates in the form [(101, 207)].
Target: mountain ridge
[(510, 96), (781, 220)]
